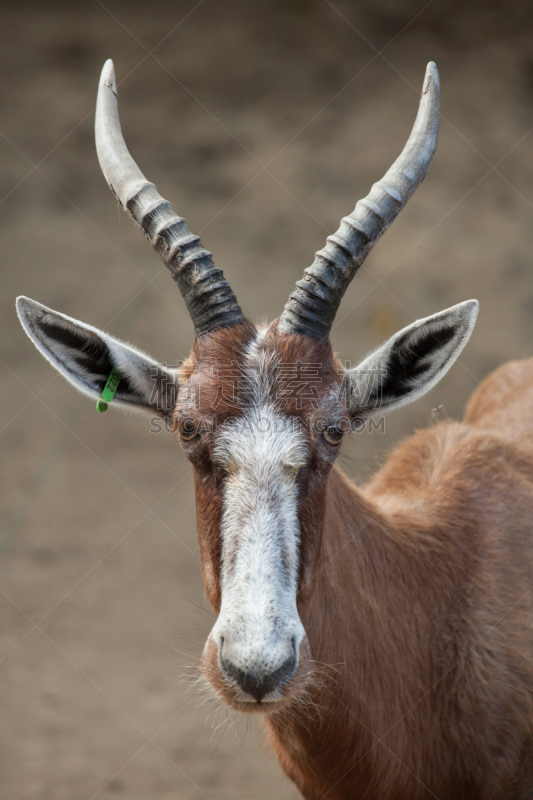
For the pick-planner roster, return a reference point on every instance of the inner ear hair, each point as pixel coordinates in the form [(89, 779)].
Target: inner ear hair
[(410, 358)]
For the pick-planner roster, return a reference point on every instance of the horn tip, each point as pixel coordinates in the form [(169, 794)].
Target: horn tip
[(107, 78), (431, 78)]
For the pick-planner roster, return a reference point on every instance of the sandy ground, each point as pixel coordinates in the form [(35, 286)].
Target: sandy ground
[(263, 124)]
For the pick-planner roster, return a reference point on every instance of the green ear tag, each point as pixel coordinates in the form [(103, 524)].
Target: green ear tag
[(109, 390)]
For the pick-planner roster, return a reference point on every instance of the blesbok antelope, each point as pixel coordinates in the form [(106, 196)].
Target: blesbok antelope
[(385, 632)]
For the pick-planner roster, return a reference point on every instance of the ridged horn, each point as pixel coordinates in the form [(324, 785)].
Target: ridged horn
[(311, 308), (207, 294)]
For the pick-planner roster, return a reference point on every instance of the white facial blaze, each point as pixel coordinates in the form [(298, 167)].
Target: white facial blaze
[(260, 454)]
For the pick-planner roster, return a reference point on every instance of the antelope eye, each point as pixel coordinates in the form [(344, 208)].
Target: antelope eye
[(189, 431), (333, 434)]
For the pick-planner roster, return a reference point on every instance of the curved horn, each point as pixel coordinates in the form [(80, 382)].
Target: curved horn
[(311, 308), (208, 295)]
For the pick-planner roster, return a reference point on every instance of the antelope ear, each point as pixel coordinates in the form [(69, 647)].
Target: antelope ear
[(85, 356), (410, 363)]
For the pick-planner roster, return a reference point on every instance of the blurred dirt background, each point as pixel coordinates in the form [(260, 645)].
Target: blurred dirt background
[(263, 123)]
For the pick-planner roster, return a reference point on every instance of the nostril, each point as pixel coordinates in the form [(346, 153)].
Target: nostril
[(259, 684), (285, 671), (246, 679)]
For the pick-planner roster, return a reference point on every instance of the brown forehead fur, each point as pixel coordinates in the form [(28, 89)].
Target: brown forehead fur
[(219, 372)]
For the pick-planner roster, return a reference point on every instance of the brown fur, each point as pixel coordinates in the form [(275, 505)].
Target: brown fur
[(415, 593), (422, 608)]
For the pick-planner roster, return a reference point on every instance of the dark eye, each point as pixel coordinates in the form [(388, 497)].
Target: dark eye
[(188, 430), (333, 434)]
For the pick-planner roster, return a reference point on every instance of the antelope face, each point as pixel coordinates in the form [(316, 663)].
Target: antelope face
[(260, 414), (254, 434)]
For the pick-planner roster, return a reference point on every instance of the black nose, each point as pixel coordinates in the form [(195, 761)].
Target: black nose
[(257, 683)]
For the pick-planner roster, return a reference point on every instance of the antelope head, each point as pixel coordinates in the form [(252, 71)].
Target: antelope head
[(260, 413)]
